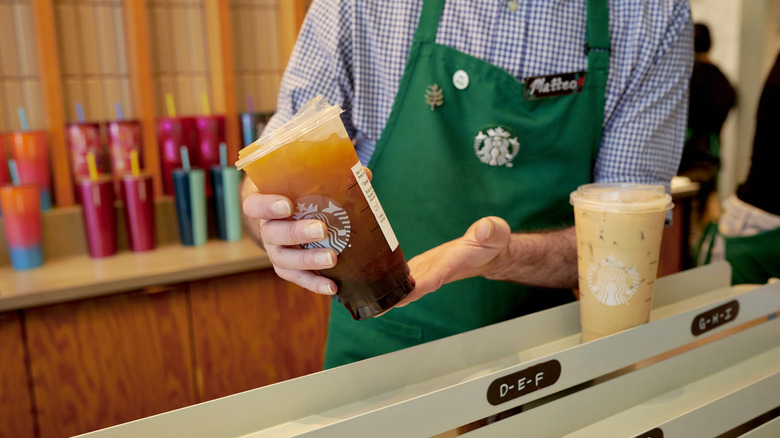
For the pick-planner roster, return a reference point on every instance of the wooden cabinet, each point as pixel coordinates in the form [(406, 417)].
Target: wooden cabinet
[(252, 329), (16, 409), (79, 366), (100, 362)]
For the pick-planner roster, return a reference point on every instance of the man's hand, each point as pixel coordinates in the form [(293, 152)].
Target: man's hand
[(267, 219), (468, 256), (489, 249)]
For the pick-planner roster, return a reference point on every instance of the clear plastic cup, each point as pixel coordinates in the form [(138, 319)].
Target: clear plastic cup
[(619, 228), (312, 161)]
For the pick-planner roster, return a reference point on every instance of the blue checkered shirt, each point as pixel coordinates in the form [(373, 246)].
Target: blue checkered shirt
[(353, 52)]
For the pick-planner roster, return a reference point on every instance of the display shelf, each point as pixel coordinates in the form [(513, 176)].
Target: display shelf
[(98, 53), (534, 371)]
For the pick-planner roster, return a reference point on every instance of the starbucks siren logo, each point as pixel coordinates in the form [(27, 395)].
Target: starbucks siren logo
[(611, 283), (496, 148), (329, 212)]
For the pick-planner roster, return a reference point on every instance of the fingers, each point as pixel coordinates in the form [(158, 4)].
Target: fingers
[(309, 280), (285, 232), (282, 237), (295, 258), (261, 206)]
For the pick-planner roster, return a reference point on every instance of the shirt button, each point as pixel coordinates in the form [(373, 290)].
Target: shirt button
[(513, 6), (460, 79)]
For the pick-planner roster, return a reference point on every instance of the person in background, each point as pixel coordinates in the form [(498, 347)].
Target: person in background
[(571, 92), (749, 228), (711, 99)]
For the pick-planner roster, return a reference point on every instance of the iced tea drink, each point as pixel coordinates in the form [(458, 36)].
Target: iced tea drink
[(312, 161), (619, 229)]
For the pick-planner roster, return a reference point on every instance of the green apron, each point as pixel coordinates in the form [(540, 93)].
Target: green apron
[(754, 259), (465, 140)]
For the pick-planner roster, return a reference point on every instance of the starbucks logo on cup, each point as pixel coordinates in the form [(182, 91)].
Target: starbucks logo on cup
[(611, 282), (329, 212)]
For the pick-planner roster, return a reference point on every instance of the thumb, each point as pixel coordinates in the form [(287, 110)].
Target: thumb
[(491, 231)]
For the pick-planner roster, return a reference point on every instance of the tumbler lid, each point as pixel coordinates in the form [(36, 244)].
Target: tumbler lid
[(621, 197), (312, 115)]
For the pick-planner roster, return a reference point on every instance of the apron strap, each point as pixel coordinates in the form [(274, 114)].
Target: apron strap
[(428, 24), (597, 30)]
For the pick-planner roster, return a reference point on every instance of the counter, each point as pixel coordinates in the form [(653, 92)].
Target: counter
[(78, 277)]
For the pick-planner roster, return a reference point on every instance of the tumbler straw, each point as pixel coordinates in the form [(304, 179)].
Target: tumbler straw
[(222, 154), (80, 113), (92, 166), (23, 119), (118, 108), (204, 101), (14, 172), (171, 105), (250, 103), (135, 169), (185, 158)]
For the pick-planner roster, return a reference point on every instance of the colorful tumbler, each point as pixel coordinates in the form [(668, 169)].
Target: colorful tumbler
[(31, 152), (224, 180), (21, 205), (190, 197)]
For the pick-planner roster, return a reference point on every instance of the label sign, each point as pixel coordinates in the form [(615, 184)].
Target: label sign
[(713, 318), (523, 382), (539, 87), (653, 433)]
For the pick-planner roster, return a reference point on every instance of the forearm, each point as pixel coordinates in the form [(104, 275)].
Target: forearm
[(547, 259)]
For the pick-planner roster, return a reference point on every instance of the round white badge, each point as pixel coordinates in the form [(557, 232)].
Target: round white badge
[(460, 79)]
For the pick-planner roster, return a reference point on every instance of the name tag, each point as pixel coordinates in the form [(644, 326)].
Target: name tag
[(540, 87)]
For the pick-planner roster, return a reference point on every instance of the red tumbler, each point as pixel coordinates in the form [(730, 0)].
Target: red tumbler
[(172, 134), (138, 198), (99, 213), (211, 133)]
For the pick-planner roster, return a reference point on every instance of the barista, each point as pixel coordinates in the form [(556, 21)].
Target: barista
[(480, 117)]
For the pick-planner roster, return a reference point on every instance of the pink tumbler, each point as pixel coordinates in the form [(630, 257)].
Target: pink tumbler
[(211, 133), (84, 138), (124, 136), (97, 201), (172, 134), (138, 198)]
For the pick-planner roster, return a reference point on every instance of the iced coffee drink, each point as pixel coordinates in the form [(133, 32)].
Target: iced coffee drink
[(619, 229), (312, 161)]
